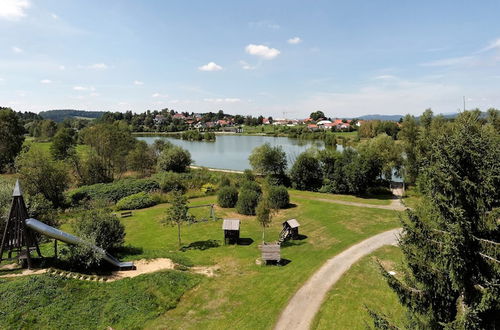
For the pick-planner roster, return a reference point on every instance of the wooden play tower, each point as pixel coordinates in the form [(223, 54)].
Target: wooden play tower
[(17, 238)]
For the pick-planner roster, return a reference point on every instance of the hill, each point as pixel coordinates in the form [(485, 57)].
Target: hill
[(60, 115), (381, 117)]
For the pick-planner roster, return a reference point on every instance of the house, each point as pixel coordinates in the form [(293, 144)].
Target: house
[(159, 119), (179, 116), (312, 127)]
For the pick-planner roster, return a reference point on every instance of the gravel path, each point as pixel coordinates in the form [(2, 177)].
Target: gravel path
[(301, 309), (395, 203)]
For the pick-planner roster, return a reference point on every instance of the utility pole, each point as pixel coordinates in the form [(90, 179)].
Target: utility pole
[(464, 102)]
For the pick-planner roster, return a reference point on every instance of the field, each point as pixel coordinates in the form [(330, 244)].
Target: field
[(240, 290), (362, 287)]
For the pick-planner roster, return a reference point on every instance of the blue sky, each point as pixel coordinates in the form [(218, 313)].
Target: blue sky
[(279, 58)]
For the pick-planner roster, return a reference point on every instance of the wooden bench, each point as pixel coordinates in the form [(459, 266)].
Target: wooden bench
[(126, 214)]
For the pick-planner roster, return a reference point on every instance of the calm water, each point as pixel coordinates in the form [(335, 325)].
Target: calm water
[(232, 151)]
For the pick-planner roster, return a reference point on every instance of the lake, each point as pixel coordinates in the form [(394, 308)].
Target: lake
[(231, 151)]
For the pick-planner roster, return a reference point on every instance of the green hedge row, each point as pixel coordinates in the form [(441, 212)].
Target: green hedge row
[(112, 192), (140, 200)]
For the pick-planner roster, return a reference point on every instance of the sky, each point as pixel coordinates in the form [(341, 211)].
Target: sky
[(275, 58)]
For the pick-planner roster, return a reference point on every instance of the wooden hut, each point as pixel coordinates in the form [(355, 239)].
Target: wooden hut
[(271, 252), (231, 229), (292, 226)]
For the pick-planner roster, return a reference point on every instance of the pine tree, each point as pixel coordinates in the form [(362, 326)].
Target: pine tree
[(450, 242)]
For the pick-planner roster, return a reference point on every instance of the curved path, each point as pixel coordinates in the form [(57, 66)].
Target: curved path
[(395, 203), (301, 309)]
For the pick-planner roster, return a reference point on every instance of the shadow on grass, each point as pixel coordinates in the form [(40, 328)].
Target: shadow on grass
[(290, 206), (124, 251), (201, 245), (291, 243), (245, 241), (282, 262)]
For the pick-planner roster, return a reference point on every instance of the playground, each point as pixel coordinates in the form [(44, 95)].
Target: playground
[(238, 287)]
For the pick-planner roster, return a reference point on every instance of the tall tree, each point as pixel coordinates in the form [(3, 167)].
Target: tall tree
[(268, 160), (409, 135), (63, 144), (11, 137), (177, 213), (450, 242)]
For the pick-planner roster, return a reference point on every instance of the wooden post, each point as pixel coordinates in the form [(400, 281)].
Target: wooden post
[(55, 248)]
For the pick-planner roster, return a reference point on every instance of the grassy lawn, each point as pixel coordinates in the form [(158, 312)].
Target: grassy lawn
[(362, 286), (45, 146), (51, 302), (366, 199), (242, 290)]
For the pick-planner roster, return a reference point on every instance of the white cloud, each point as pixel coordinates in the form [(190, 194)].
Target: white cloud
[(54, 16), (83, 88), (385, 77), (94, 94), (159, 95), (45, 81), (98, 66), (13, 9), (294, 41), (449, 61), (212, 66), (246, 66), (62, 67), (262, 51), (223, 100), (138, 83), (16, 49), (493, 45), (264, 24)]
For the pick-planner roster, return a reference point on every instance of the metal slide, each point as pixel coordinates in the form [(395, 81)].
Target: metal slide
[(46, 230)]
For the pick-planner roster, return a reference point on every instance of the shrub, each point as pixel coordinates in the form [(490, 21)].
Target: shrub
[(247, 202), (227, 197), (224, 182), (277, 180), (174, 159), (208, 188), (278, 197), (170, 181), (104, 227), (306, 172), (136, 201), (112, 192), (248, 174), (251, 185)]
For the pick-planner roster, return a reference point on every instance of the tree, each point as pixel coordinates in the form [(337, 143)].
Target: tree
[(493, 118), (409, 135), (317, 115), (104, 227), (111, 143), (39, 173), (11, 137), (174, 159), (426, 119), (141, 159), (264, 215), (63, 144), (306, 172), (450, 242), (268, 160), (227, 196), (177, 213)]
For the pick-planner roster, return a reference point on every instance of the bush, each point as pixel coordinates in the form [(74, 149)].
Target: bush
[(112, 192), (102, 226), (136, 201), (277, 180), (253, 186), (247, 202), (278, 197), (224, 182), (174, 159), (306, 172), (227, 197), (208, 188), (248, 174), (170, 181)]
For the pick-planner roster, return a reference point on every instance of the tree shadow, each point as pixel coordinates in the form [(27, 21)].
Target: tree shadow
[(245, 241), (290, 206), (201, 245), (123, 251)]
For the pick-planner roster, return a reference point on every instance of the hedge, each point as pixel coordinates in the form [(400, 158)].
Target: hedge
[(140, 200), (278, 197), (227, 196), (112, 192)]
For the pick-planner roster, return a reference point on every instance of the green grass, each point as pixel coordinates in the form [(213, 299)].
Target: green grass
[(51, 302), (365, 199), (243, 295), (81, 149), (244, 290), (362, 285), (412, 197)]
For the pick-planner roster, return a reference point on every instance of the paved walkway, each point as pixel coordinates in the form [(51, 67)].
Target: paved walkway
[(301, 309), (395, 203)]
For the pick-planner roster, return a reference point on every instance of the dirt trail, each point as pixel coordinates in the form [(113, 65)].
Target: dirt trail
[(301, 309), (395, 203)]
